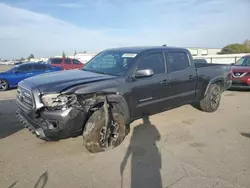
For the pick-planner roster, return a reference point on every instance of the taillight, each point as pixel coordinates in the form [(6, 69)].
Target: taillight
[(248, 81)]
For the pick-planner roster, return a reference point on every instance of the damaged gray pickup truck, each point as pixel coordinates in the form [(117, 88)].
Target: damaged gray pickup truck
[(115, 88)]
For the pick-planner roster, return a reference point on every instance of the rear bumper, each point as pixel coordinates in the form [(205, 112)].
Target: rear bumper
[(239, 84), (53, 125), (240, 87)]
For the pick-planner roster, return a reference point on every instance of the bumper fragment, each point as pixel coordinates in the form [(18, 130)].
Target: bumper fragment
[(36, 131)]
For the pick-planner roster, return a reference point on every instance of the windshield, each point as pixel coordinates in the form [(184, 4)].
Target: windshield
[(12, 68), (112, 63), (244, 61)]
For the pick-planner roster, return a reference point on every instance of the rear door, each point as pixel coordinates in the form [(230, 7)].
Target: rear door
[(182, 76), (149, 91), (68, 64), (39, 69)]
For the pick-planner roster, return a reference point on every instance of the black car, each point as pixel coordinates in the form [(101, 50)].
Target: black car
[(115, 88)]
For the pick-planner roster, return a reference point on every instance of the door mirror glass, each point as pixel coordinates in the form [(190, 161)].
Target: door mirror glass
[(144, 73)]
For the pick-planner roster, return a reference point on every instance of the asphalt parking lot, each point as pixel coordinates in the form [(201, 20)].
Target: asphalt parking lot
[(182, 148)]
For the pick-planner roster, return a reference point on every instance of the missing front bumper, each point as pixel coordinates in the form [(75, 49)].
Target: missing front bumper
[(36, 131), (54, 125)]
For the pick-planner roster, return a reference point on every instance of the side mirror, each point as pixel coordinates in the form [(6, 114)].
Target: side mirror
[(232, 64), (144, 73)]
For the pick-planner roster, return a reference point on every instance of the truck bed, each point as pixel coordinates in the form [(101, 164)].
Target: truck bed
[(209, 69), (203, 65)]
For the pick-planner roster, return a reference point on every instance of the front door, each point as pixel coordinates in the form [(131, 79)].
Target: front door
[(147, 92), (77, 64), (22, 72)]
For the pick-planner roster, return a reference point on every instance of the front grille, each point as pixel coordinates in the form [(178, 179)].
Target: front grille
[(24, 99)]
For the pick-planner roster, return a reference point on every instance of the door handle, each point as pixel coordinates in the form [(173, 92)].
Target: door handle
[(29, 73), (165, 82)]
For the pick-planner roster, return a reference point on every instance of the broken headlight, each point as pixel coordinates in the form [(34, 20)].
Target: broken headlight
[(58, 101)]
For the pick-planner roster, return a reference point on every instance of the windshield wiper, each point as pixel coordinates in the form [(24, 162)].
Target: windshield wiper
[(100, 72)]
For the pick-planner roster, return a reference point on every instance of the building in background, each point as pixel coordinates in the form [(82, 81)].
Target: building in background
[(84, 57), (204, 51)]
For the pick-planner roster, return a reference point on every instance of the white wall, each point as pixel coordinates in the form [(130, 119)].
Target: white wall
[(84, 57), (204, 51), (223, 59)]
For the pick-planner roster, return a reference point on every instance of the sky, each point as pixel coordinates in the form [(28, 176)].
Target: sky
[(48, 27)]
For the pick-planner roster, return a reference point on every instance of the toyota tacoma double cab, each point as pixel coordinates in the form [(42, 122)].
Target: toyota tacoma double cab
[(114, 88)]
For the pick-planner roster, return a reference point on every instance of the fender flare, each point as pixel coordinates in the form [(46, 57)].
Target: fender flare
[(120, 104), (212, 81), (116, 100)]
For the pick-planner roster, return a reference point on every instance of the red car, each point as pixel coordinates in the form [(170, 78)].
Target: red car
[(66, 63), (241, 73)]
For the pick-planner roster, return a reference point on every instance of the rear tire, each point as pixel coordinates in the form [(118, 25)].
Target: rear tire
[(92, 134), (211, 101), (4, 85)]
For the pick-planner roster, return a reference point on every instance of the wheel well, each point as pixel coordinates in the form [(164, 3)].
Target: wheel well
[(116, 102), (220, 84), (4, 80)]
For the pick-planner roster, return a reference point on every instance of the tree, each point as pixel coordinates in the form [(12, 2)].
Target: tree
[(31, 56), (247, 43), (63, 55), (235, 48)]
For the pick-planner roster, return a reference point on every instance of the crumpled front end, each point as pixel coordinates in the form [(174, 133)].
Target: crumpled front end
[(49, 117)]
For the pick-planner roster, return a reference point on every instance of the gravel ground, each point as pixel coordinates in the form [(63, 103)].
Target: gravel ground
[(182, 148)]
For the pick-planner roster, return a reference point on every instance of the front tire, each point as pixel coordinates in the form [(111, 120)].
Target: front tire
[(95, 126), (211, 101), (4, 85)]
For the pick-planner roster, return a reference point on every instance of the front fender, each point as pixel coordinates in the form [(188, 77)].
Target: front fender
[(120, 104), (92, 100)]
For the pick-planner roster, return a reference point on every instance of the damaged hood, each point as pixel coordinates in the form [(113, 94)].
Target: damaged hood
[(59, 81), (241, 68)]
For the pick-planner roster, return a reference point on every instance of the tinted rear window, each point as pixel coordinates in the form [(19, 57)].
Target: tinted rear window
[(55, 61), (39, 67)]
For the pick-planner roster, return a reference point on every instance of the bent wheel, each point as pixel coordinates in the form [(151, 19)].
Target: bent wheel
[(211, 101), (95, 129), (3, 85)]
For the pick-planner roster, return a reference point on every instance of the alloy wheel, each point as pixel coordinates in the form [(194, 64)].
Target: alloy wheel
[(3, 85)]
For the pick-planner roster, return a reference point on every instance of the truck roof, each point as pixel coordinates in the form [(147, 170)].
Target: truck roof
[(139, 49)]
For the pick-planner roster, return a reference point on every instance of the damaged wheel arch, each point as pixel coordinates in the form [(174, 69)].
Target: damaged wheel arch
[(105, 112)]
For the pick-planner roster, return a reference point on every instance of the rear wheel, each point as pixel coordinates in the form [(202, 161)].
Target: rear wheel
[(4, 85), (211, 101), (95, 130)]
